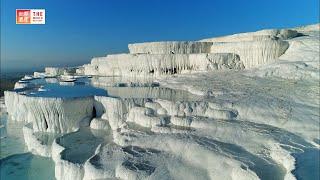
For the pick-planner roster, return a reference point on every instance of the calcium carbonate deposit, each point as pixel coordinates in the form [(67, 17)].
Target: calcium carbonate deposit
[(244, 106)]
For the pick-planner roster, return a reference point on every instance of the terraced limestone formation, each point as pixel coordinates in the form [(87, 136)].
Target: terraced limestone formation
[(243, 106)]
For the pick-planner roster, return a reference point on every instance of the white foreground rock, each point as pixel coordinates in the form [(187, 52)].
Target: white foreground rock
[(110, 109), (220, 124), (35, 145), (47, 114), (97, 123)]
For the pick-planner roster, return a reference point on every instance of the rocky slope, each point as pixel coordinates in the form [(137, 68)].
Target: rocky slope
[(243, 106)]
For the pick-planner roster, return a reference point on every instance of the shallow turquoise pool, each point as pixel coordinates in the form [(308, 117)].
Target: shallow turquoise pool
[(15, 162)]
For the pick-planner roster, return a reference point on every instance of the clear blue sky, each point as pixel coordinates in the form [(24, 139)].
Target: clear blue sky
[(77, 30)]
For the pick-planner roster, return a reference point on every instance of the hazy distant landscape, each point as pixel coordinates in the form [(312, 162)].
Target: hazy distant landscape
[(8, 79)]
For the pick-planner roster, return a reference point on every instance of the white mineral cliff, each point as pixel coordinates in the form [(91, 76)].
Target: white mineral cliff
[(171, 47), (246, 50), (234, 107), (49, 114), (158, 64), (253, 53)]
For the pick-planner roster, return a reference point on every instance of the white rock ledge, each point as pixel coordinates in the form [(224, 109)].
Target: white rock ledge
[(253, 53), (170, 47), (59, 115), (161, 64)]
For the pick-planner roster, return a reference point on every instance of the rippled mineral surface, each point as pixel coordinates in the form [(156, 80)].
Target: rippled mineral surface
[(183, 119)]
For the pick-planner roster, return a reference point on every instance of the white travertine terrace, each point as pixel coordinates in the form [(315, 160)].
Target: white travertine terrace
[(97, 123), (56, 71), (253, 53), (158, 64), (170, 47), (203, 125), (282, 34), (111, 110), (239, 51), (59, 115), (34, 144)]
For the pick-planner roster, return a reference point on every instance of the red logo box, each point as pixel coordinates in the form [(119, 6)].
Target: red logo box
[(23, 16)]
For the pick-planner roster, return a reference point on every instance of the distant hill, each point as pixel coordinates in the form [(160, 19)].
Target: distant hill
[(7, 80)]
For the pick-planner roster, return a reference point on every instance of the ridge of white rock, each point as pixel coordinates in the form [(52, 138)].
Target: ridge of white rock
[(111, 110), (71, 151), (225, 131), (266, 34), (205, 109), (3, 108), (63, 168), (240, 125), (287, 104), (245, 50), (253, 53), (56, 71), (47, 114), (300, 61), (170, 47), (36, 145), (144, 117), (308, 28), (159, 64), (98, 123)]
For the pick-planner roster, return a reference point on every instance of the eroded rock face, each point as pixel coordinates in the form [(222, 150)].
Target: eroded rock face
[(254, 48), (38, 143), (56, 71), (71, 151), (53, 71), (170, 47), (239, 51), (59, 115), (110, 109), (192, 138), (160, 64), (98, 123), (241, 128), (253, 53), (215, 61)]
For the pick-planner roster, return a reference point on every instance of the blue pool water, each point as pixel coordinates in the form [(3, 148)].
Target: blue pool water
[(307, 165), (26, 166), (15, 162), (56, 90)]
